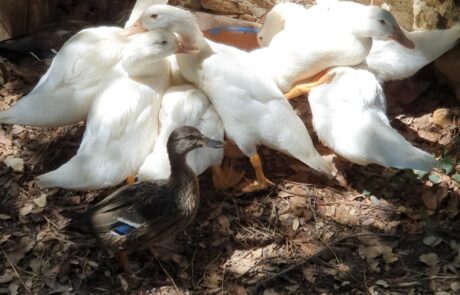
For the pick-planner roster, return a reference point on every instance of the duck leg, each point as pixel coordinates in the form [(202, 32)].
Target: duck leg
[(226, 177), (262, 182), (303, 87), (130, 179), (122, 258)]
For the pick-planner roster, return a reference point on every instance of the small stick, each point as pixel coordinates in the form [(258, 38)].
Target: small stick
[(318, 253), (16, 272), (167, 274)]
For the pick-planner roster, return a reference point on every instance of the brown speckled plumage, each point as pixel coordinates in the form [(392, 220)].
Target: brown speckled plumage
[(160, 208)]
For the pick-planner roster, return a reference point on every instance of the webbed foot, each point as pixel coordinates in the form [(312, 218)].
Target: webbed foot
[(304, 88)]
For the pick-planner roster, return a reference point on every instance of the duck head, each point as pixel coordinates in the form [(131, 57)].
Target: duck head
[(274, 21), (170, 18), (145, 49), (378, 23), (186, 138), (160, 17), (140, 7), (157, 45)]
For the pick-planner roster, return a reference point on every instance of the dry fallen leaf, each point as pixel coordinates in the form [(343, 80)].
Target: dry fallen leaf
[(295, 224), (211, 279), (13, 288), (430, 259), (17, 164), (309, 274), (26, 209), (25, 245), (40, 201), (4, 217), (455, 286), (432, 241), (6, 277), (429, 200)]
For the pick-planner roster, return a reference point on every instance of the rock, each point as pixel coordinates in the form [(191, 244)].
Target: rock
[(256, 8), (192, 4), (17, 164)]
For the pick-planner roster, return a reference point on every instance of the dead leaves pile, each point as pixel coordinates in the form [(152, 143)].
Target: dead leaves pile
[(321, 237)]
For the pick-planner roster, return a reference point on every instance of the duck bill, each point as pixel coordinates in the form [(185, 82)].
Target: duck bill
[(182, 48), (208, 142), (401, 38), (135, 28)]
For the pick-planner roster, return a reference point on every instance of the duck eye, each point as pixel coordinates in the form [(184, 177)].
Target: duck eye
[(164, 42), (383, 22), (154, 16)]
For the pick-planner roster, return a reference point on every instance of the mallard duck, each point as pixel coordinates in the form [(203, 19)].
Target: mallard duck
[(349, 116), (387, 58), (148, 213), (123, 121), (252, 108), (65, 93), (187, 105), (339, 34)]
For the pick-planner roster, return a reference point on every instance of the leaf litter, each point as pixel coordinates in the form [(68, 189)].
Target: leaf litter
[(385, 230)]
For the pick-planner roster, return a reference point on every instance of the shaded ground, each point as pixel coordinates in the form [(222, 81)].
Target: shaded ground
[(388, 232)]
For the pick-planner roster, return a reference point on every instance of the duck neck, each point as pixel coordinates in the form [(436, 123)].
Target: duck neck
[(184, 179), (189, 64), (179, 166)]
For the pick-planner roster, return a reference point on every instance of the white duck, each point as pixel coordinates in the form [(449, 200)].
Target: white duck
[(360, 130), (186, 105), (122, 124), (65, 93), (387, 58), (251, 107), (338, 33)]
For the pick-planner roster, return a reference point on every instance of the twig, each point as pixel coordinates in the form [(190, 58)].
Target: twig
[(16, 272), (192, 268), (169, 276), (318, 253)]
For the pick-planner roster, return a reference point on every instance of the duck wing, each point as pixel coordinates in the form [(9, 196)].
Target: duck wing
[(128, 205)]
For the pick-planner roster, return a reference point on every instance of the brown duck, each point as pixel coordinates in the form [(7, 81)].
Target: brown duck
[(147, 213)]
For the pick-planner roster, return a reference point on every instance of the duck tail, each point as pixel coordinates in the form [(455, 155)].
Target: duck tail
[(305, 151), (71, 175), (25, 112), (318, 163), (391, 149)]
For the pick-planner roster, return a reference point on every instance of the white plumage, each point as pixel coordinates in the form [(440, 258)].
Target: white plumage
[(65, 93), (123, 122), (336, 33), (349, 116), (184, 105)]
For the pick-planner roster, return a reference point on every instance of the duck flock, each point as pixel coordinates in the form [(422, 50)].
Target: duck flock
[(158, 99)]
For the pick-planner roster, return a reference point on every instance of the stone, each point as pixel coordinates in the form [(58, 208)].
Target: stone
[(256, 8)]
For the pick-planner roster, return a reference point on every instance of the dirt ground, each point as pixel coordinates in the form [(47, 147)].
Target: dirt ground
[(388, 232)]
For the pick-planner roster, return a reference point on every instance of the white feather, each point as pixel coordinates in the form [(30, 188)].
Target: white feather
[(349, 116), (184, 105), (123, 122)]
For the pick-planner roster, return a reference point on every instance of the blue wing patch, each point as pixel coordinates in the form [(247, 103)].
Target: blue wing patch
[(124, 227)]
